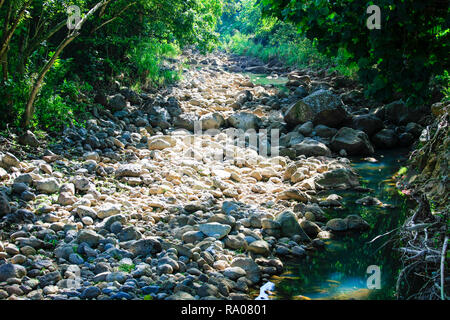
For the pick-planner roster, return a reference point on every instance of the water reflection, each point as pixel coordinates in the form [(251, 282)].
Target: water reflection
[(340, 271)]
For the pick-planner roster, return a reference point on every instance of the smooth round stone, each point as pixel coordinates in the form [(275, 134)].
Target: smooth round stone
[(88, 221), (18, 259), (91, 292)]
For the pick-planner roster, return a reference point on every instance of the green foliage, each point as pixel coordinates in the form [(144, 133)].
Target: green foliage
[(148, 58), (300, 54), (126, 267), (106, 50), (397, 60)]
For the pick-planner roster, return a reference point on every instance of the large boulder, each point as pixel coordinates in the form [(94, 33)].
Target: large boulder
[(9, 270), (354, 142), (310, 147), (341, 178), (249, 266), (186, 121), (49, 185), (355, 222), (212, 121), (385, 139), (399, 113), (321, 107), (290, 226), (117, 102), (215, 229), (29, 139), (244, 121), (143, 247), (368, 123)]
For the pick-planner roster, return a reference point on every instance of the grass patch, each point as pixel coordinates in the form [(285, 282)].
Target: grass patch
[(301, 53)]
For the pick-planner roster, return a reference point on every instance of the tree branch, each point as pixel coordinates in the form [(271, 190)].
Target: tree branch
[(114, 18)]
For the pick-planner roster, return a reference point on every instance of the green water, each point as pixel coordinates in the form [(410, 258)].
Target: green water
[(339, 271), (267, 80)]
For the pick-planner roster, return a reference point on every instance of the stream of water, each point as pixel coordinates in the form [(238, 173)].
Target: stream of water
[(340, 270)]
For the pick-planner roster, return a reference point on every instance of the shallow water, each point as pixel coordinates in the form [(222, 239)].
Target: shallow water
[(266, 80), (340, 271)]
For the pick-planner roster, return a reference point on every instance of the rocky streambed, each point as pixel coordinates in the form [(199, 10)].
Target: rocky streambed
[(141, 205)]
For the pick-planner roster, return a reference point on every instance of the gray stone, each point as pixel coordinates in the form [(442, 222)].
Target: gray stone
[(76, 258), (29, 139), (212, 121), (368, 123), (129, 233), (49, 185), (10, 270), (321, 107), (117, 102), (214, 229), (259, 247), (90, 237), (244, 121), (129, 170), (91, 292), (337, 224), (290, 226), (143, 247), (354, 142), (342, 178), (385, 139), (310, 228), (355, 222), (251, 268), (193, 236), (4, 205), (234, 273), (311, 148), (10, 160)]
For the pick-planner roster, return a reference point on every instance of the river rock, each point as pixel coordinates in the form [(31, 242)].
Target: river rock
[(29, 139), (311, 148), (355, 222), (4, 205), (369, 201), (48, 186), (214, 229), (143, 247), (107, 210), (324, 131), (321, 107), (129, 170), (212, 121), (10, 160), (343, 178), (368, 123), (234, 273), (251, 268), (117, 102), (290, 226), (259, 247), (89, 236), (244, 121), (9, 270), (310, 228), (385, 139), (337, 224), (235, 242), (354, 142)]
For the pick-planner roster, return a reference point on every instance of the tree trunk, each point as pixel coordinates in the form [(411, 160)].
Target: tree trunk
[(29, 111), (9, 33)]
